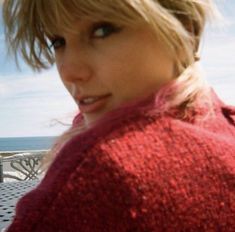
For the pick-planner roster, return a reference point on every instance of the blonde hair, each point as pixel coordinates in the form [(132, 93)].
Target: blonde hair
[(178, 24)]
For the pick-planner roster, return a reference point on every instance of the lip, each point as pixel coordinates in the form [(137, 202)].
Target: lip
[(94, 106)]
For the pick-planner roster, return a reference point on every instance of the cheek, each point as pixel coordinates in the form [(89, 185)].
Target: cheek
[(130, 67), (138, 78)]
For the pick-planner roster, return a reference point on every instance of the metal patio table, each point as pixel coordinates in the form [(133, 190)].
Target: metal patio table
[(9, 195)]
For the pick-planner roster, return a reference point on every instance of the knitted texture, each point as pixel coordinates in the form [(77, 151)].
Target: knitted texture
[(140, 174)]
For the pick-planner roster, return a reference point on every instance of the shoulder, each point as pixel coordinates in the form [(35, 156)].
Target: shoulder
[(132, 170), (133, 145)]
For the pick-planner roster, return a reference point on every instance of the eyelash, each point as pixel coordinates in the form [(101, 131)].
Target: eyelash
[(96, 26)]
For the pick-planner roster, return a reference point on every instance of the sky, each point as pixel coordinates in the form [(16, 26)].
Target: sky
[(37, 104)]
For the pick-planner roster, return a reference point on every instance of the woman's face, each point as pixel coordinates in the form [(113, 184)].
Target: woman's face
[(105, 65)]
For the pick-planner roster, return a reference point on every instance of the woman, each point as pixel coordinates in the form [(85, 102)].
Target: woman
[(153, 148)]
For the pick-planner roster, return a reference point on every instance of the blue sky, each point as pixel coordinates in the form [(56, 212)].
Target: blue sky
[(32, 104)]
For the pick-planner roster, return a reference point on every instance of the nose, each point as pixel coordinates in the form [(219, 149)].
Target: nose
[(74, 65)]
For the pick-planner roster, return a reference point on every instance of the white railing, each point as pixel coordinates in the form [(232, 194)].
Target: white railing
[(21, 165)]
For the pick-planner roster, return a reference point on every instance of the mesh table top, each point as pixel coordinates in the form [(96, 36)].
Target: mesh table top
[(10, 193)]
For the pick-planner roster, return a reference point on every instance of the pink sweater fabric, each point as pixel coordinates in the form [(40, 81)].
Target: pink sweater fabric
[(141, 173)]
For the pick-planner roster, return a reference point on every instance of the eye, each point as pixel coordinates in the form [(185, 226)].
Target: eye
[(104, 29), (57, 42)]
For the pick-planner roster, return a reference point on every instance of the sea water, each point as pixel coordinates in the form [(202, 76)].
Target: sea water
[(26, 143)]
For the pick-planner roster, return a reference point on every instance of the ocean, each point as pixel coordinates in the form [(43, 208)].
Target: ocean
[(26, 143)]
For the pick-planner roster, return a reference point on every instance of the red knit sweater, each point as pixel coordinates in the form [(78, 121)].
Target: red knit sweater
[(140, 173)]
